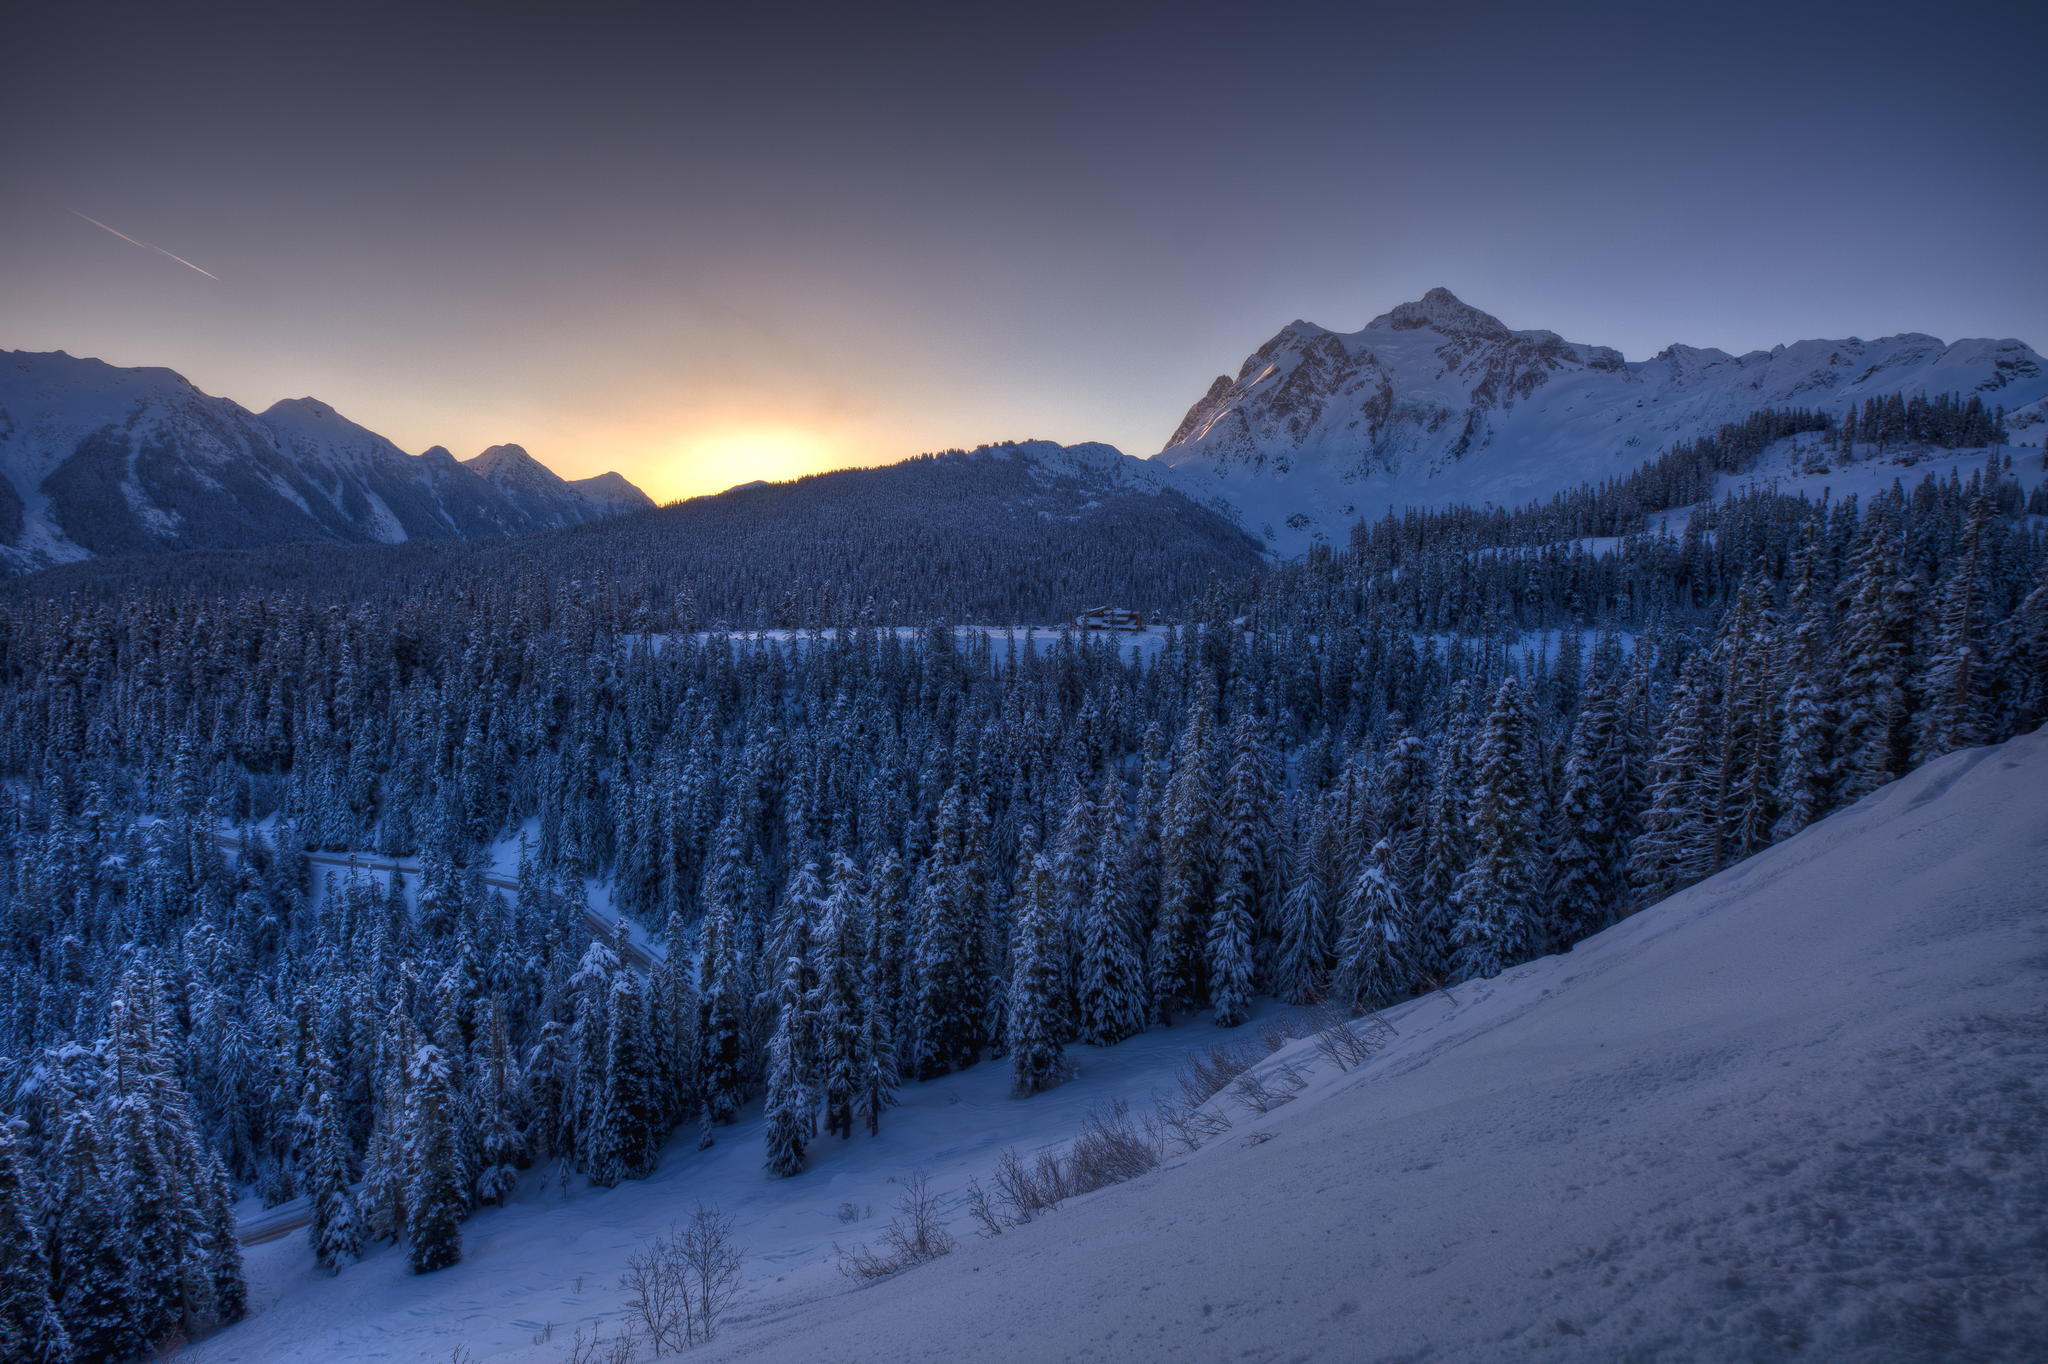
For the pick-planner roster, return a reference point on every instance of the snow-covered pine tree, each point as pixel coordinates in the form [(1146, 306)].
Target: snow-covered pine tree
[(1499, 914), (633, 1099), (1377, 937), (1958, 682), (335, 1232), (90, 1276), (599, 1141), (721, 1034), (1037, 1061), (1680, 842), (790, 1115), (876, 1066), (1249, 823), (30, 1330), (1301, 949), (1228, 945), (435, 1198), (839, 948), (492, 1094), (1584, 892), (947, 1026), (1750, 721), (1109, 993), (1876, 655), (673, 1013), (1805, 686), (1187, 877)]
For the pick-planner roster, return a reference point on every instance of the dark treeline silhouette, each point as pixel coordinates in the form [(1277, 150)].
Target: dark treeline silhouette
[(1027, 534)]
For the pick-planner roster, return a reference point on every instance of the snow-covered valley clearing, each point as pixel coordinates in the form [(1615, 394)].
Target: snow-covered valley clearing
[(1792, 1112)]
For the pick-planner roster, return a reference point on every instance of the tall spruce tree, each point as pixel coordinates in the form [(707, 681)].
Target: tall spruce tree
[(1498, 908), (30, 1330), (436, 1199), (1037, 1061)]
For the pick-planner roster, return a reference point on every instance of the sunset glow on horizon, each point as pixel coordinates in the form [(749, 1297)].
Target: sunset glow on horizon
[(715, 460), (703, 249)]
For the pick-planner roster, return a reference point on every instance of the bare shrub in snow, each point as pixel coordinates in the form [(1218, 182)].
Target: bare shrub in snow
[(1204, 1075), (653, 1283), (679, 1285), (1020, 1196), (1339, 1041), (914, 1236), (593, 1346), (711, 1264), (1187, 1122), (1109, 1150), (1293, 1074), (1276, 1033), (985, 1209), (1252, 1091)]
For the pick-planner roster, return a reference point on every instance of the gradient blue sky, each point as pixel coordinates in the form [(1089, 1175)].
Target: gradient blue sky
[(702, 248)]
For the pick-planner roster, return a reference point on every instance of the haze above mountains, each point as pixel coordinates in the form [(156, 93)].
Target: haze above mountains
[(1432, 403)]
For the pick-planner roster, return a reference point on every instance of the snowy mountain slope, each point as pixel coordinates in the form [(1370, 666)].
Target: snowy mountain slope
[(611, 491), (1437, 402), (1029, 532), (548, 500), (99, 460), (1793, 1112)]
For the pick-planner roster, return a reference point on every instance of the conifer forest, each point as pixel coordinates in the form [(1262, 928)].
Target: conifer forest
[(808, 868)]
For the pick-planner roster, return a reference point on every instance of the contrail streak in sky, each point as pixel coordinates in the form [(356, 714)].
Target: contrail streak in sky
[(147, 247)]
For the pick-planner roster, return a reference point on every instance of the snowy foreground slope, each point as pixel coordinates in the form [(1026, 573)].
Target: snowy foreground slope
[(1794, 1112)]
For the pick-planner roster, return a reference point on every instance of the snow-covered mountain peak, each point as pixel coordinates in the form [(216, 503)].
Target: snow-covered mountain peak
[(611, 489), (98, 459), (510, 465), (311, 409), (1436, 401), (1443, 311)]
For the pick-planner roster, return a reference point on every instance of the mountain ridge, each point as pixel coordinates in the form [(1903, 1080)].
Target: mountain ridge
[(1436, 401), (99, 459)]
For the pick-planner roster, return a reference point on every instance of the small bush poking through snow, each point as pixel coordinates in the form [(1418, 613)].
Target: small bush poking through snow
[(914, 1236), (679, 1285)]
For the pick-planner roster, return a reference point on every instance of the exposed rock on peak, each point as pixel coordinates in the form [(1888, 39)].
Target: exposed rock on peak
[(1443, 311), (1436, 401)]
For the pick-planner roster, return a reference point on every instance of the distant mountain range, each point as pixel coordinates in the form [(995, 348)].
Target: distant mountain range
[(1437, 402), (1023, 533), (99, 460), (1432, 403)]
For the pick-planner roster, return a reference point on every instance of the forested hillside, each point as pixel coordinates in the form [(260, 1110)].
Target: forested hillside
[(1468, 739), (1029, 533)]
